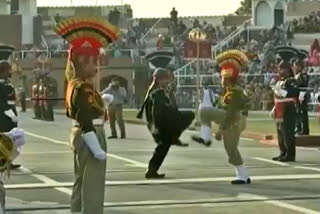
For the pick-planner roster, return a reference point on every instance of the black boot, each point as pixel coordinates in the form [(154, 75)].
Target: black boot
[(239, 181), (179, 143), (15, 166), (287, 159), (154, 175), (201, 141)]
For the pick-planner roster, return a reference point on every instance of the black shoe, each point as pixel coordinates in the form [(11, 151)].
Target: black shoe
[(179, 143), (123, 137), (287, 159), (112, 137), (201, 141), (238, 181), (276, 158), (15, 166), (154, 175)]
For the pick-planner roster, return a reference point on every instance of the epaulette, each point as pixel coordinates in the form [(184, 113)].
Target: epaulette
[(157, 91), (74, 84)]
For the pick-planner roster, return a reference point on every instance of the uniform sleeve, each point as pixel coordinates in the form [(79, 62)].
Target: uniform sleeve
[(163, 113), (85, 114), (9, 98), (231, 110), (292, 89)]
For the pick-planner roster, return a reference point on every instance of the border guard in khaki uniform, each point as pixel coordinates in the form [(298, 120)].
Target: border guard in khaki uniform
[(86, 108), (231, 112)]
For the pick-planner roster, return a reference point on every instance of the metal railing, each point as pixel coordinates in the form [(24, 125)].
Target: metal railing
[(23, 54), (150, 30)]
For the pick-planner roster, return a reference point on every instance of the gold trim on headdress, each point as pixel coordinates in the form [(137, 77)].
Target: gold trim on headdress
[(237, 55)]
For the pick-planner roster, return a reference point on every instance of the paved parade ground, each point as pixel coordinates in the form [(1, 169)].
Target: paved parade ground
[(198, 178)]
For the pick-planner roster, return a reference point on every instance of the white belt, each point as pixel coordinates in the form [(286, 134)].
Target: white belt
[(11, 102), (95, 122)]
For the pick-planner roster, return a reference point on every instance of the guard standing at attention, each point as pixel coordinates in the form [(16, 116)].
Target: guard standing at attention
[(86, 108), (286, 95)]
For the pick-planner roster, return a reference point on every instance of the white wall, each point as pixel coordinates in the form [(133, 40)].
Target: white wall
[(28, 9), (264, 14), (4, 7)]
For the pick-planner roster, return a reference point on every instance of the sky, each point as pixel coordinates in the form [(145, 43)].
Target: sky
[(160, 8)]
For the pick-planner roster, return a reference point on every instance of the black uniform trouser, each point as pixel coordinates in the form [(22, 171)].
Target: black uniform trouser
[(185, 120), (286, 135), (23, 104), (160, 153), (303, 120), (36, 110), (49, 111), (42, 111)]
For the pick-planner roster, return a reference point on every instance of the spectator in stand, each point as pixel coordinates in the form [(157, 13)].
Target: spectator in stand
[(314, 52), (129, 13), (182, 28), (160, 42), (174, 16), (57, 18), (116, 14)]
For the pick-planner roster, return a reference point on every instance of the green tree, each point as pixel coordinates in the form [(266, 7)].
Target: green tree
[(245, 8)]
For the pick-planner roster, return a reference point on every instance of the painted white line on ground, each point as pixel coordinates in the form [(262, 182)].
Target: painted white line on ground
[(47, 153), (132, 162), (46, 180), (271, 161), (308, 168), (240, 200), (282, 204), (169, 181), (136, 163), (285, 164), (46, 138)]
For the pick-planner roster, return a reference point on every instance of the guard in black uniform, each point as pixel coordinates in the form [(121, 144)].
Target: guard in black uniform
[(165, 122), (302, 79), (171, 91), (286, 95), (8, 111)]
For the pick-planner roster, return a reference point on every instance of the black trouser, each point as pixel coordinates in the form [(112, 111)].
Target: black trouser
[(160, 153), (186, 118), (36, 110), (303, 120), (286, 135), (49, 111), (23, 104)]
